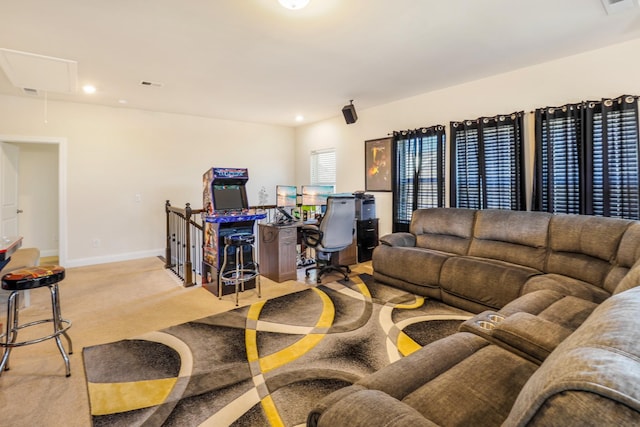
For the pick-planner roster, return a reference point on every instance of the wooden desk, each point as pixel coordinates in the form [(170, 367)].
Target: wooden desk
[(8, 246), (279, 253)]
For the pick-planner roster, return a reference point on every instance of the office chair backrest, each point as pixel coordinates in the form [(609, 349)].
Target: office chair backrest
[(337, 223)]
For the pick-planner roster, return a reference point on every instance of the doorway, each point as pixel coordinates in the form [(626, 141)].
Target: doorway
[(38, 197)]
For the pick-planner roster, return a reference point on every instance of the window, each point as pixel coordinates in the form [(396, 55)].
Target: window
[(487, 163), (613, 143), (559, 150), (587, 158), (419, 173), (323, 167)]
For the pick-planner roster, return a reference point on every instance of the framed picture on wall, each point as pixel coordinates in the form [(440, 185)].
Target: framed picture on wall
[(377, 163)]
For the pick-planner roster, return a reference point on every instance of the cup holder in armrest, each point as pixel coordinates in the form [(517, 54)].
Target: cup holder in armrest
[(485, 324), (526, 334), (495, 318), (482, 324)]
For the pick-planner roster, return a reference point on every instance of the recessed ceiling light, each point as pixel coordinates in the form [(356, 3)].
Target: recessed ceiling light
[(294, 4), (122, 101), (299, 118), (89, 89)]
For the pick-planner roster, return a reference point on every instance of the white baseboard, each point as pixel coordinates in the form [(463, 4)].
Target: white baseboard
[(82, 262), (48, 253)]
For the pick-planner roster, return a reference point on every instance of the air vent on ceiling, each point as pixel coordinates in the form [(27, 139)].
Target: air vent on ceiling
[(149, 83), (29, 91), (45, 73), (619, 6)]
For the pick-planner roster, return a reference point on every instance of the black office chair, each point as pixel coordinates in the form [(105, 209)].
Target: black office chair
[(333, 234)]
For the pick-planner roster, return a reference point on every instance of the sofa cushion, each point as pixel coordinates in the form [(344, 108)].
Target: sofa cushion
[(366, 408), (596, 369), (443, 229), (598, 237), (478, 390), (490, 283), (626, 273), (566, 286), (630, 280), (418, 266), (458, 380), (512, 236), (567, 311), (398, 239), (584, 247)]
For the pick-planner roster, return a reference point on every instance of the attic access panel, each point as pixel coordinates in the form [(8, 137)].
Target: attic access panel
[(39, 72)]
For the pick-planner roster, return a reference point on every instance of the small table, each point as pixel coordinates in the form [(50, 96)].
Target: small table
[(8, 245)]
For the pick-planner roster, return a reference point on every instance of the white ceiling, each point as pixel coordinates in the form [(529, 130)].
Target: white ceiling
[(253, 60)]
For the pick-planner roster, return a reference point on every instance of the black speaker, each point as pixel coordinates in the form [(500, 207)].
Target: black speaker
[(349, 113)]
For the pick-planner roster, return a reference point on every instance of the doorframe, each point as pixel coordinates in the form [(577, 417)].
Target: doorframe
[(61, 142)]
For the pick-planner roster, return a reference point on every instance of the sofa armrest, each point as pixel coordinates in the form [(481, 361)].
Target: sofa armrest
[(525, 334), (365, 408), (398, 239), (531, 334)]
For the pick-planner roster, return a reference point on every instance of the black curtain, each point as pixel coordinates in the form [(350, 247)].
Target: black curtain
[(419, 172), (487, 161), (587, 158), (559, 159), (612, 144)]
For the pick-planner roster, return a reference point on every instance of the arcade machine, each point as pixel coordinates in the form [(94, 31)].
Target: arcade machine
[(225, 211)]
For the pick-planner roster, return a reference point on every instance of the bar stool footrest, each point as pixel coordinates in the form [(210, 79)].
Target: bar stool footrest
[(241, 276), (36, 340)]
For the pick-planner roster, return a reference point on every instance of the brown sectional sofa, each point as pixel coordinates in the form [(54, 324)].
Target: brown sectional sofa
[(556, 340), (483, 259)]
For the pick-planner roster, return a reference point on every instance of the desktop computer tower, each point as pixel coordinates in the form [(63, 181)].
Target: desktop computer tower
[(366, 225), (365, 207)]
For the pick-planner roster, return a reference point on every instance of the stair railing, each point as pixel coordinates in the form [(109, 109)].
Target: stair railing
[(185, 237), (183, 253)]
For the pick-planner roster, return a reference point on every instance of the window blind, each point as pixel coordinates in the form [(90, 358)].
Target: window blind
[(614, 150), (419, 173), (587, 158), (323, 167), (557, 183), (487, 161)]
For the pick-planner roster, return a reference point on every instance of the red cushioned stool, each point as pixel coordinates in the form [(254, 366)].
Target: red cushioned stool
[(31, 278)]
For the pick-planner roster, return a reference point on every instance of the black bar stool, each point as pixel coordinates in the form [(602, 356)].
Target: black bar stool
[(32, 278), (242, 272)]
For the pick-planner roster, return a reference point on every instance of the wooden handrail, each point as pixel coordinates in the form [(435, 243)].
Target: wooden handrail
[(182, 228)]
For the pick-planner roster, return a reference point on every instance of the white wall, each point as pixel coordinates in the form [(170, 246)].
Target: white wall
[(608, 72), (114, 154), (38, 197)]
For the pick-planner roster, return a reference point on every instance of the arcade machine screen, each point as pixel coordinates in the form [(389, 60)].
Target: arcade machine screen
[(229, 198)]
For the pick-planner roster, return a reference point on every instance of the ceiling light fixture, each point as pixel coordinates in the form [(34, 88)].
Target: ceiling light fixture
[(294, 4), (89, 89), (299, 118)]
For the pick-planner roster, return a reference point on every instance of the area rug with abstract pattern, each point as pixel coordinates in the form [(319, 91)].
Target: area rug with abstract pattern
[(266, 364)]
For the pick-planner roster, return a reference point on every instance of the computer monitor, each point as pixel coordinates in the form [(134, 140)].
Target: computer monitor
[(316, 195), (286, 196), (230, 197)]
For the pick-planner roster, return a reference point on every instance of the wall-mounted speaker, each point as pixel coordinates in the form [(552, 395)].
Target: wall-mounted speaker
[(349, 113)]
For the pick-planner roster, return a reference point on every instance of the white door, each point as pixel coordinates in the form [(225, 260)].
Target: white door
[(9, 189)]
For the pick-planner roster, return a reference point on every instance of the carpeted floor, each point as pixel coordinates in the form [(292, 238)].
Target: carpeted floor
[(264, 364)]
